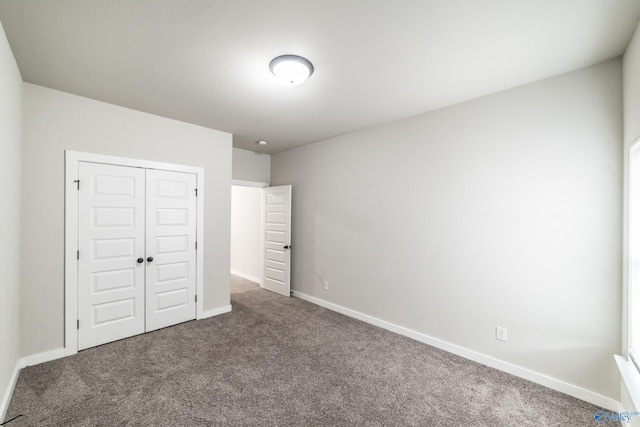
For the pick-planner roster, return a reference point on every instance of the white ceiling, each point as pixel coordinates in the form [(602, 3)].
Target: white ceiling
[(207, 61)]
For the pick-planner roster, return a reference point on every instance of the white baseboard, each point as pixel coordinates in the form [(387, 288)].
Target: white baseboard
[(216, 311), (6, 398), (47, 356), (247, 276), (553, 383)]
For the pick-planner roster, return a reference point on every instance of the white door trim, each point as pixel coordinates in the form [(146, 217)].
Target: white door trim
[(241, 183), (72, 160)]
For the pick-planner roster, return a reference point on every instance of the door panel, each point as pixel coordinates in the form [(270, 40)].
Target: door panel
[(277, 239), (171, 239), (111, 238)]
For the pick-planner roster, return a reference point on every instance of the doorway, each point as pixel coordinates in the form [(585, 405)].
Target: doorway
[(246, 232), (261, 236)]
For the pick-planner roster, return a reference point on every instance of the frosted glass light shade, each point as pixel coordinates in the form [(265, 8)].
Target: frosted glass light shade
[(291, 70)]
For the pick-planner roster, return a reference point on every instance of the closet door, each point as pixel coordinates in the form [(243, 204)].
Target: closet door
[(111, 233), (171, 248)]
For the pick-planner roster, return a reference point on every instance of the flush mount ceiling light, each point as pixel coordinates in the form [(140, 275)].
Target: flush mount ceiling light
[(262, 142), (291, 70)]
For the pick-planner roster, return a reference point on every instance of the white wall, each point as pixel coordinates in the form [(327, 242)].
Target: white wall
[(10, 190), (250, 166), (56, 121), (505, 210), (246, 215)]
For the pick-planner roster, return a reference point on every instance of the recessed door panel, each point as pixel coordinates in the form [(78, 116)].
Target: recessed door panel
[(276, 218), (275, 255), (275, 273), (172, 217), (169, 244), (276, 198), (104, 249), (113, 217), (172, 299), (114, 311), (105, 281), (114, 185), (172, 189), (274, 236), (172, 271)]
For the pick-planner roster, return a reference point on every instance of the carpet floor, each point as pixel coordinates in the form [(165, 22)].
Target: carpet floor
[(276, 361)]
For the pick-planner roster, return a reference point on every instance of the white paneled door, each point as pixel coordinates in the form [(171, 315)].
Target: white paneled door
[(277, 239), (171, 236), (112, 239), (136, 251)]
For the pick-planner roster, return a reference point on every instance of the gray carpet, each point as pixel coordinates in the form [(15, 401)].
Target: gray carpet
[(276, 361)]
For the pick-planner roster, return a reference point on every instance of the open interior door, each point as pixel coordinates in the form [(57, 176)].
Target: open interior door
[(277, 239)]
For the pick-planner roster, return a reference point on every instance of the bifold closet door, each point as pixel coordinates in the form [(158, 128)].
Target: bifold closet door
[(111, 216), (137, 251), (171, 248)]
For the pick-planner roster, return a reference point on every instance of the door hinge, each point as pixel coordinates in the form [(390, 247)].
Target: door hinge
[(196, 192), (77, 181), (196, 246), (196, 298), (78, 324), (77, 254)]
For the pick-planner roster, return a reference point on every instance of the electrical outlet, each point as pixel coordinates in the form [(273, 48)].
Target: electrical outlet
[(501, 333), (326, 285)]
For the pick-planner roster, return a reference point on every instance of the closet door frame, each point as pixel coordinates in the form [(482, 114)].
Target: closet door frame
[(72, 161)]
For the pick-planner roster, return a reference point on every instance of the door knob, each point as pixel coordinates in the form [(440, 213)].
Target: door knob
[(288, 247), (150, 259), (140, 260)]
